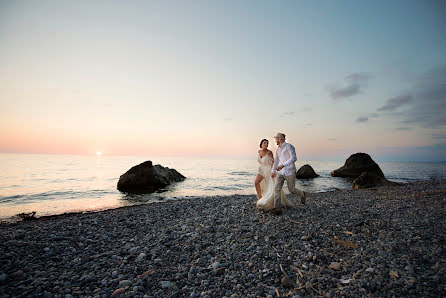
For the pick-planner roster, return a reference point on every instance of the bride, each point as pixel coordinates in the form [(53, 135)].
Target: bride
[(264, 183)]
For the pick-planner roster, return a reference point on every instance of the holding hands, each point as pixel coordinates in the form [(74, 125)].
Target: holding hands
[(279, 167)]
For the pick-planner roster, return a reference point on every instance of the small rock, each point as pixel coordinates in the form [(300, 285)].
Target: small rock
[(117, 292), (192, 270), (17, 274), (125, 283), (133, 250), (335, 266), (85, 259), (165, 284), (219, 271), (115, 274), (287, 282), (382, 253)]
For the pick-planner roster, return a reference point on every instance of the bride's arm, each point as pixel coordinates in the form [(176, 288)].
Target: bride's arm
[(272, 157)]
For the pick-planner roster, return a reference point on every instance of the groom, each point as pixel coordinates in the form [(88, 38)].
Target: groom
[(284, 165)]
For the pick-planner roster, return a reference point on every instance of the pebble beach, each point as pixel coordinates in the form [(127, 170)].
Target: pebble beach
[(378, 242)]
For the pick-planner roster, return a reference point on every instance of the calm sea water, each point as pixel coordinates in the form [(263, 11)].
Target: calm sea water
[(55, 184)]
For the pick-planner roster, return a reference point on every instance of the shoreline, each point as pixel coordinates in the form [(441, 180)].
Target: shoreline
[(222, 246), (15, 218)]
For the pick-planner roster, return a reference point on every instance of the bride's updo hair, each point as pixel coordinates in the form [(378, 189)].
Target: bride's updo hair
[(261, 142)]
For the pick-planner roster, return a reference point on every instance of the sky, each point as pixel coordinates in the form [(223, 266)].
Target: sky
[(213, 78)]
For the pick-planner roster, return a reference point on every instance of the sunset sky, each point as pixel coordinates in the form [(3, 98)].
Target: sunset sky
[(212, 78)]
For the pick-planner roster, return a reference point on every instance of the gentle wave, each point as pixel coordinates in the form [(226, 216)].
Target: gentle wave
[(240, 173)]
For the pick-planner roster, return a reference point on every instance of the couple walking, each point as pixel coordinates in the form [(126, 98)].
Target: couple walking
[(273, 172)]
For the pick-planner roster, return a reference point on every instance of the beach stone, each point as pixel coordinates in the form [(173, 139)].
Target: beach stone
[(125, 283), (147, 178), (85, 259), (357, 164), (117, 292), (287, 282), (382, 253), (306, 172), (17, 274), (371, 179), (335, 265), (219, 271), (133, 250)]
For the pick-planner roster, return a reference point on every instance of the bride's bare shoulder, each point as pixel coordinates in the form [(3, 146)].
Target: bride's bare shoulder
[(270, 153)]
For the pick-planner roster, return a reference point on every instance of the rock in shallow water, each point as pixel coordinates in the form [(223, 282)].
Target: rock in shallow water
[(356, 164), (371, 179), (306, 172), (147, 178)]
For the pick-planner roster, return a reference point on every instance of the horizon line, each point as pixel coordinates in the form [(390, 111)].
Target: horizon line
[(213, 156)]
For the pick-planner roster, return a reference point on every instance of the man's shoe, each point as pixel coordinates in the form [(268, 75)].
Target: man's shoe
[(303, 198), (276, 211)]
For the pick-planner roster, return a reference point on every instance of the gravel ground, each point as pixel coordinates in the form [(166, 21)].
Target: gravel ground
[(382, 242)]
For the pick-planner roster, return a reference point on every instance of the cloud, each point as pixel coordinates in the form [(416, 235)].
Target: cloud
[(332, 139), (355, 82), (435, 152), (362, 119), (396, 102), (285, 114), (403, 128), (428, 103), (306, 109), (439, 136), (227, 119)]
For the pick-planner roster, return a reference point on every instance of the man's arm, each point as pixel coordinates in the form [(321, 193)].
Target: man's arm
[(276, 162), (293, 156)]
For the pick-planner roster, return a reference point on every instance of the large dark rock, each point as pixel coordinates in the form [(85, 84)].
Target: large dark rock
[(146, 178), (357, 164), (371, 179), (306, 172)]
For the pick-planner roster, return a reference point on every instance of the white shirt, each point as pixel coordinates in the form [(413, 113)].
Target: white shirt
[(287, 157)]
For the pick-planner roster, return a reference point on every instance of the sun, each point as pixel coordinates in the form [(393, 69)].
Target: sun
[(98, 153)]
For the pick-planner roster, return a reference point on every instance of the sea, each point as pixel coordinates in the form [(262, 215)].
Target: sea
[(57, 184)]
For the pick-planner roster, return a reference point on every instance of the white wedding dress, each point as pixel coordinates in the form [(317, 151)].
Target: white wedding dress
[(267, 185)]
